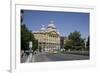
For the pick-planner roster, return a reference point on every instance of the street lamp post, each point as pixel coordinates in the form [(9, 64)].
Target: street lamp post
[(30, 46), (29, 59)]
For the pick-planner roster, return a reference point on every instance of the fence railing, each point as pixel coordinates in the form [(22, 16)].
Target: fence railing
[(78, 52)]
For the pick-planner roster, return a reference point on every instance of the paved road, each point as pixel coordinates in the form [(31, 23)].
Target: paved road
[(44, 57)]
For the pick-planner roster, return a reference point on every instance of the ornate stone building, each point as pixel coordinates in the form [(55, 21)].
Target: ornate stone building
[(48, 38)]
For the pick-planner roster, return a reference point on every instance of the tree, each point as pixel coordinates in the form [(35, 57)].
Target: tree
[(35, 45), (74, 42), (75, 36), (68, 44), (88, 43), (27, 36)]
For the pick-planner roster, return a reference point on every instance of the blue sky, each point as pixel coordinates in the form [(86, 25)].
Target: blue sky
[(65, 22)]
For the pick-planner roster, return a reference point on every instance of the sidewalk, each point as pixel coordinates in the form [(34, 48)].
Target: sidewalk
[(29, 59)]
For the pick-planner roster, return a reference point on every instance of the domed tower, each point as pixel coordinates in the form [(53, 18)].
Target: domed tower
[(51, 26), (43, 28)]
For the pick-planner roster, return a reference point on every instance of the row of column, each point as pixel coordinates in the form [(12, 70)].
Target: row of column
[(49, 47)]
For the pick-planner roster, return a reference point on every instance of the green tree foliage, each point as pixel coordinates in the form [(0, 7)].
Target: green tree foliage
[(74, 42), (88, 43), (75, 36), (35, 44), (27, 36), (68, 44)]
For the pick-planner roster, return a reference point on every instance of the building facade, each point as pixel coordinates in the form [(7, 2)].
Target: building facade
[(48, 38)]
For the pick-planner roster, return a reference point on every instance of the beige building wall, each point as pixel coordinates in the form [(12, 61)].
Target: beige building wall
[(49, 41)]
